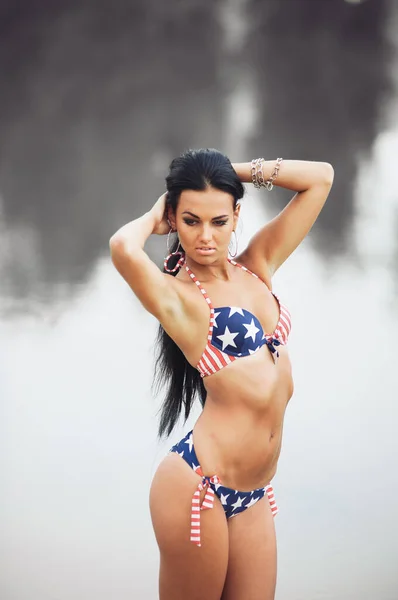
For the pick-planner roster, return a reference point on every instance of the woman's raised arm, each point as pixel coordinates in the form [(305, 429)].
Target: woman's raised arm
[(274, 242), (156, 290)]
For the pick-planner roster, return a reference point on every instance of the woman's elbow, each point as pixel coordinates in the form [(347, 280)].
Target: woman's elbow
[(117, 244), (327, 174)]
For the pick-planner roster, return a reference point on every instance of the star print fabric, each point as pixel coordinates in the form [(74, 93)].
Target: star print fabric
[(237, 331), (233, 501)]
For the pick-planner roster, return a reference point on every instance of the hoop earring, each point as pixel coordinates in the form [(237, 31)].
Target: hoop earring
[(176, 253), (232, 255)]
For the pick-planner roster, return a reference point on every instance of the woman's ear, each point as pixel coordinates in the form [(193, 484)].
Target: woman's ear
[(171, 219), (236, 215)]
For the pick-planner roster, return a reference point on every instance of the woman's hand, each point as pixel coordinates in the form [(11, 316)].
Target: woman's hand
[(159, 214)]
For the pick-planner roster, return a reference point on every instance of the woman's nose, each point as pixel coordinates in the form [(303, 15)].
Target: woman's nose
[(205, 234)]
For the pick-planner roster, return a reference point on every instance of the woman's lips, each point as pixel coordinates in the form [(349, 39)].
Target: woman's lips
[(205, 251)]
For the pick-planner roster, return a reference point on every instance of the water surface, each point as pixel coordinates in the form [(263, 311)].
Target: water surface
[(95, 103)]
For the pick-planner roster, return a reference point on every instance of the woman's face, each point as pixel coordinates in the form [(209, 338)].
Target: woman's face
[(205, 221)]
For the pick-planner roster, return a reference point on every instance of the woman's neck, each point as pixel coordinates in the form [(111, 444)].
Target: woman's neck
[(218, 270)]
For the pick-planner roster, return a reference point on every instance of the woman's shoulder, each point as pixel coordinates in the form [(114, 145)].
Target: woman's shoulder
[(189, 294)]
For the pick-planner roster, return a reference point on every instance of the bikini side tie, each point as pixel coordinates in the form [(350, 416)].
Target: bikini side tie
[(197, 505)]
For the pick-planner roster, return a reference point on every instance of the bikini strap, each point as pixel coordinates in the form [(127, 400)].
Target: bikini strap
[(236, 264), (206, 297), (197, 282)]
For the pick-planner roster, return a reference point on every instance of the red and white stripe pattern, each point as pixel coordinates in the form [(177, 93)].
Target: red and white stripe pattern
[(213, 359), (269, 490), (197, 505), (284, 326)]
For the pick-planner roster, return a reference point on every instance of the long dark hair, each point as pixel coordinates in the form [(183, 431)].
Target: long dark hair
[(193, 170)]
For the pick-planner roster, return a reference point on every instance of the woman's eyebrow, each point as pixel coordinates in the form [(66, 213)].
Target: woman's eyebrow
[(187, 212)]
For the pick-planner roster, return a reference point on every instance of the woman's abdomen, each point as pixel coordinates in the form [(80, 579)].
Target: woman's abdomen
[(239, 433)]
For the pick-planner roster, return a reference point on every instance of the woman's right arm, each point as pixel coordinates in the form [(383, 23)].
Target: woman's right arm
[(157, 291)]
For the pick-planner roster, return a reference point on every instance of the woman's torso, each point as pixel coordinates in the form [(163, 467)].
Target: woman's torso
[(238, 435)]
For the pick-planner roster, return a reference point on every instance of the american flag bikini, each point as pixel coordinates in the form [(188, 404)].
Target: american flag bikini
[(242, 332), (234, 332), (233, 501)]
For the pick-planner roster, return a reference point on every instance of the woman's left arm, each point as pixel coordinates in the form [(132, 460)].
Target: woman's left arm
[(311, 181)]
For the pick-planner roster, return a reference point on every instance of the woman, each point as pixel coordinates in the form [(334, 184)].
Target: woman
[(223, 336)]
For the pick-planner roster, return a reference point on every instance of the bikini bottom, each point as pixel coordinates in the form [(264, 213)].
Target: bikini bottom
[(233, 501)]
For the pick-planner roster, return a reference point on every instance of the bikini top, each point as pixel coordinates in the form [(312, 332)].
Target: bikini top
[(235, 332)]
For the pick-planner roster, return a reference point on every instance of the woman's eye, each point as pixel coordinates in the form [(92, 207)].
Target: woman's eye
[(193, 222)]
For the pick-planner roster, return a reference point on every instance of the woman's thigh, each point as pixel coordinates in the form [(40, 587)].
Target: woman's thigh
[(252, 555), (186, 570)]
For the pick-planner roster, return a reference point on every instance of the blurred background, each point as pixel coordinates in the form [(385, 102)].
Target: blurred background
[(96, 98)]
